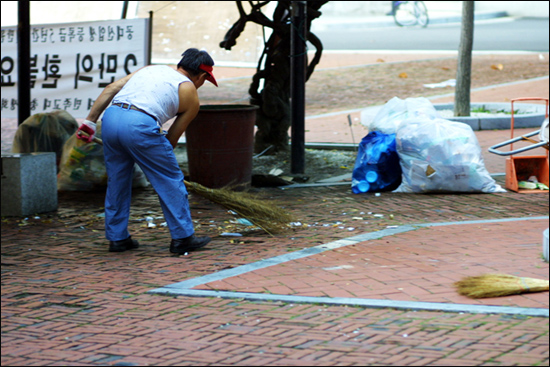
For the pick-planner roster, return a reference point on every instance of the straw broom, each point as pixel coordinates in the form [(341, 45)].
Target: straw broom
[(263, 213), (498, 285), (260, 212)]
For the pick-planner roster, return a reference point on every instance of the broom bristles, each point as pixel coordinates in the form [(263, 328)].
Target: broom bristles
[(260, 212), (498, 285)]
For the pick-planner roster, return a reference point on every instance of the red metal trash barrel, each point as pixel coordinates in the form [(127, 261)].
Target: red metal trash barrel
[(220, 146)]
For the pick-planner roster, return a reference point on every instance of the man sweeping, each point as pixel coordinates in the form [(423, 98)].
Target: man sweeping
[(132, 133)]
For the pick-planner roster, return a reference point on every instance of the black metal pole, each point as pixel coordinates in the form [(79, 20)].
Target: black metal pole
[(150, 40), (124, 9), (24, 61), (298, 85)]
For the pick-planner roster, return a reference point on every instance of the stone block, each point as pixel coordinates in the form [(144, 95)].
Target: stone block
[(29, 183)]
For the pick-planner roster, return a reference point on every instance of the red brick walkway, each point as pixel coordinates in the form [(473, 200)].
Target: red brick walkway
[(67, 301), (420, 265)]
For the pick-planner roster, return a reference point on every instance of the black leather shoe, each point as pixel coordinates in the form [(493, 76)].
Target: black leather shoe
[(183, 245), (120, 246)]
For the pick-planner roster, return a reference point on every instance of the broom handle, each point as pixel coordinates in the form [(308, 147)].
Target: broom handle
[(97, 140), (94, 139)]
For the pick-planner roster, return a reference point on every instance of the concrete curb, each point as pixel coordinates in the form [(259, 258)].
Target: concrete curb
[(533, 119), (530, 115)]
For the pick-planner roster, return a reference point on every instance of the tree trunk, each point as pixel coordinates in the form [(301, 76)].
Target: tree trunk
[(464, 70), (273, 117), (273, 98)]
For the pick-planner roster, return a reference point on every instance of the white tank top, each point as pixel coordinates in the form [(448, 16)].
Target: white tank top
[(153, 89)]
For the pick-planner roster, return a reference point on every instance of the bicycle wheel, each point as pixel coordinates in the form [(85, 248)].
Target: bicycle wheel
[(404, 14), (421, 13)]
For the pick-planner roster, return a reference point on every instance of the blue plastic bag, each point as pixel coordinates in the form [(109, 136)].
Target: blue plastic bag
[(377, 164)]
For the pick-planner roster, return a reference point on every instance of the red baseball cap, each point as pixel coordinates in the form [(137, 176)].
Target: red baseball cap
[(208, 70)]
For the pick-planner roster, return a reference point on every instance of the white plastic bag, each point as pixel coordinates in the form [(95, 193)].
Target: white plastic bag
[(438, 155), (395, 111)]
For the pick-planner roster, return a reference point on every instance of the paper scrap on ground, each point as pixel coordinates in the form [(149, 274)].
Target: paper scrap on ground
[(446, 83)]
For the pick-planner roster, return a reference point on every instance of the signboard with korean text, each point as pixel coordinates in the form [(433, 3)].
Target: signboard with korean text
[(71, 63)]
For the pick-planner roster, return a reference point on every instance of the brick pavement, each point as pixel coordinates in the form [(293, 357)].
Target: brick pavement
[(67, 301), (419, 265)]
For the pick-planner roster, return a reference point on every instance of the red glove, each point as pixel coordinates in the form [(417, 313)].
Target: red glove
[(87, 127)]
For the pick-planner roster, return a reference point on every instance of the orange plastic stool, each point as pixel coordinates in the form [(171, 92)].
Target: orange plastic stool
[(521, 168)]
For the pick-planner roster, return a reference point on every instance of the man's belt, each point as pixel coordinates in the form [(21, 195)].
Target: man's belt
[(132, 107)]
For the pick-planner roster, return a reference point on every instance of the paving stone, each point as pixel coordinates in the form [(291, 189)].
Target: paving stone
[(66, 300)]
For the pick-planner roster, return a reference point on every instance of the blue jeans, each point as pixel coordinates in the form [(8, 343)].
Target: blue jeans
[(130, 137)]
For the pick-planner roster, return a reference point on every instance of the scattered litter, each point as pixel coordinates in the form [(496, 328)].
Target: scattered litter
[(246, 222), (378, 215), (533, 180), (527, 185), (101, 215), (36, 217), (377, 194), (296, 224), (391, 227), (228, 234), (391, 216), (329, 160), (339, 267), (150, 223), (446, 83), (164, 224), (532, 185), (276, 172)]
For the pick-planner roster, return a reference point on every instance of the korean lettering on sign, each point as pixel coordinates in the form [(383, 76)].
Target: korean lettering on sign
[(71, 63)]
